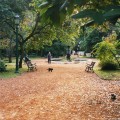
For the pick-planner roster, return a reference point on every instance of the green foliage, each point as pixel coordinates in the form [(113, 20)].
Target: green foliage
[(2, 66), (46, 37), (99, 11), (113, 12), (65, 34), (99, 15), (96, 16), (8, 10), (50, 10), (92, 37), (57, 49), (117, 45), (4, 43), (88, 39), (69, 32), (80, 2), (105, 52), (108, 64)]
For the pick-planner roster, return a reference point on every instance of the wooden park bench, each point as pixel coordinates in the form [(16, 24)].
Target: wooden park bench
[(89, 67), (31, 67)]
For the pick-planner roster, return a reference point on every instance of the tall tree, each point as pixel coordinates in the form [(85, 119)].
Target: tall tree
[(32, 29)]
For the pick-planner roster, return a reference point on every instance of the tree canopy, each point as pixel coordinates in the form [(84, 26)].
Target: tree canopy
[(99, 11)]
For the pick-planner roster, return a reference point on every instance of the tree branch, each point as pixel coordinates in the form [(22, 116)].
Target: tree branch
[(38, 31), (35, 27), (14, 30)]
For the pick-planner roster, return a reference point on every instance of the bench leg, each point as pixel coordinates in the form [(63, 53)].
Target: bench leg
[(35, 68), (91, 69), (32, 68), (87, 69)]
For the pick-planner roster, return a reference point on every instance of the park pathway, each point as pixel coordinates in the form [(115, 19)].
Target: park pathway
[(67, 93)]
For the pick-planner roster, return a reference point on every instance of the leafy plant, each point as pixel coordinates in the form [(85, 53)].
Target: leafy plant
[(2, 66), (56, 11), (92, 38), (109, 65), (106, 52), (88, 39), (103, 50), (57, 49)]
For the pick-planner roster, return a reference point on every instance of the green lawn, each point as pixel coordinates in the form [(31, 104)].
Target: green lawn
[(108, 74), (10, 73)]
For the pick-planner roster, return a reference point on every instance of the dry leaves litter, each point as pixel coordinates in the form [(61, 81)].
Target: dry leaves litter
[(67, 93)]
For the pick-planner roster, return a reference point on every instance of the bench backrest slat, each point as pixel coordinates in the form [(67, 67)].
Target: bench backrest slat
[(93, 63)]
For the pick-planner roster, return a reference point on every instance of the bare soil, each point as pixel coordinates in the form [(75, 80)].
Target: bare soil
[(67, 93)]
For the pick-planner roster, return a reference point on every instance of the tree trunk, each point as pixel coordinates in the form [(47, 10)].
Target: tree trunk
[(0, 55), (20, 62), (21, 56), (10, 52), (10, 58)]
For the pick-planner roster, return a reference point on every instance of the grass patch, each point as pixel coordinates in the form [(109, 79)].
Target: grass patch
[(10, 73), (108, 74)]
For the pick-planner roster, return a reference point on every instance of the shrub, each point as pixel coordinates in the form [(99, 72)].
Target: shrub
[(103, 50), (108, 65), (106, 52), (2, 66)]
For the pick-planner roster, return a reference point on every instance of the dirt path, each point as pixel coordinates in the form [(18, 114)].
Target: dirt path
[(67, 93)]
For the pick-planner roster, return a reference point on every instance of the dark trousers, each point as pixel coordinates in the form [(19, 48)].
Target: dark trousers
[(68, 56), (49, 60)]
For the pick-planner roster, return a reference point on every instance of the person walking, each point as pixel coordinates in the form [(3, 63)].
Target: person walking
[(49, 57)]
